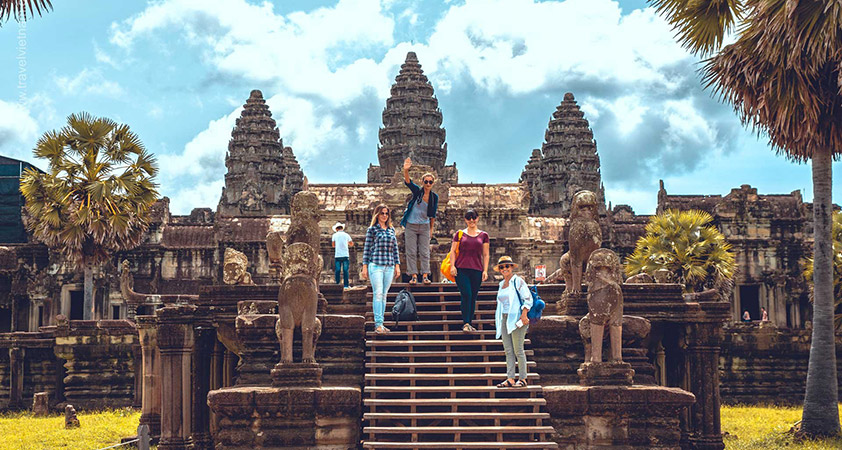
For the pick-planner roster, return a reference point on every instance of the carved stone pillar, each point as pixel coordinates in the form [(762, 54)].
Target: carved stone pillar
[(175, 341), (205, 337), (229, 366), (704, 341), (16, 357), (151, 368)]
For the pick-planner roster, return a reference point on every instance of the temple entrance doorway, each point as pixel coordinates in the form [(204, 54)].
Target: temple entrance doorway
[(750, 300), (77, 305)]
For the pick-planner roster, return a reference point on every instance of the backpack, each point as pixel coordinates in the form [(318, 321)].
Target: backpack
[(534, 313), (404, 308), (447, 263)]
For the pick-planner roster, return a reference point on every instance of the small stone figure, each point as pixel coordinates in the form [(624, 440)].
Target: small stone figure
[(70, 419), (127, 285), (298, 302), (604, 277), (274, 246), (40, 404), (234, 268), (663, 276), (585, 236)]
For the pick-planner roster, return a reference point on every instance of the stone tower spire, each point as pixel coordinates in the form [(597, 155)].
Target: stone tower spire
[(411, 127), (255, 182), (568, 162)]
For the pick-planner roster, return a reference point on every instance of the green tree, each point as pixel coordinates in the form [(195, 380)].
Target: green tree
[(783, 76), (837, 268), (684, 243), (96, 195), (21, 9)]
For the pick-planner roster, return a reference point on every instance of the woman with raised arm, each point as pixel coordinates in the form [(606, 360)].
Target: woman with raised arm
[(418, 220), (471, 265), (381, 262), (513, 302)]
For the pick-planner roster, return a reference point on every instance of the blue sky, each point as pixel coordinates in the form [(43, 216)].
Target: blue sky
[(178, 72)]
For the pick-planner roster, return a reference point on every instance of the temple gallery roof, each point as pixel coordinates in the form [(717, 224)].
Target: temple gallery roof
[(349, 197)]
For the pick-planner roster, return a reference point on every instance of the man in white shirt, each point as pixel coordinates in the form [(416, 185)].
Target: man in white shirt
[(340, 242)]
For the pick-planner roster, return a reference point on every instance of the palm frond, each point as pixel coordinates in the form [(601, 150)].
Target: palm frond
[(21, 10)]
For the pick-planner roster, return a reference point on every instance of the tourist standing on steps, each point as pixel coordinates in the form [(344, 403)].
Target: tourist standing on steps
[(418, 220), (764, 316), (381, 262), (340, 242), (471, 266), (746, 316), (510, 320)]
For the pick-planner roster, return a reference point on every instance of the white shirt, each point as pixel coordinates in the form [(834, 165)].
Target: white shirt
[(341, 239)]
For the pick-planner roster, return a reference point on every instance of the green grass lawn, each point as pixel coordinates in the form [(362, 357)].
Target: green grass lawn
[(748, 427), (22, 431), (766, 427)]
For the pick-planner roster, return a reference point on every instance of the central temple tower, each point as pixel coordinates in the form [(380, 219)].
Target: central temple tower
[(263, 175), (567, 162), (411, 127)]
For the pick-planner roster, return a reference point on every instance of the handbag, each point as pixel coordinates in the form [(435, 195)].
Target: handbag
[(446, 264)]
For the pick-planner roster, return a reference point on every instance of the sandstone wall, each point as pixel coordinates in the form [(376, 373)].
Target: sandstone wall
[(760, 363)]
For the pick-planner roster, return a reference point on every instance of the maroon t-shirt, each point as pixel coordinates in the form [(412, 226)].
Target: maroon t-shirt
[(470, 250)]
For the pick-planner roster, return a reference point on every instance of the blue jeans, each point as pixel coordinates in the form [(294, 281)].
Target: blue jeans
[(342, 264), (381, 279)]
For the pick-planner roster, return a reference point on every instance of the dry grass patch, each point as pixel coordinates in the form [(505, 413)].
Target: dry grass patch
[(22, 431), (767, 427)]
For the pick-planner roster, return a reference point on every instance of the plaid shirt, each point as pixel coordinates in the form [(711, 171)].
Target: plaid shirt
[(381, 247)]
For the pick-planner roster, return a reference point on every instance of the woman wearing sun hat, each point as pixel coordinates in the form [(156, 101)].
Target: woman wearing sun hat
[(511, 321)]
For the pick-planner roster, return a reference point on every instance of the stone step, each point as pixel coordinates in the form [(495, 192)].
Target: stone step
[(494, 378), (422, 315), (442, 365), (455, 392), (460, 445), (434, 334), (455, 416), (425, 403), (485, 354)]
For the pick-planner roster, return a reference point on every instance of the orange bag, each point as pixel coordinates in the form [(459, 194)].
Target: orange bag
[(446, 264)]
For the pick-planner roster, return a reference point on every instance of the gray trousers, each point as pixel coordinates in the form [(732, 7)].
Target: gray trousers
[(417, 248), (513, 345)]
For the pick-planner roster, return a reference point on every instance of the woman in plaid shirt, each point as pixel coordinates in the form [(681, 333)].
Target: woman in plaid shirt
[(381, 253)]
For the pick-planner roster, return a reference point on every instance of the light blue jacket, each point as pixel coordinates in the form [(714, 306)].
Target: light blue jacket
[(514, 305)]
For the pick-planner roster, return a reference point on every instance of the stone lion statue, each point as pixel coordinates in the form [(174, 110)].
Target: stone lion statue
[(585, 236), (604, 277), (304, 220), (298, 301), (234, 268)]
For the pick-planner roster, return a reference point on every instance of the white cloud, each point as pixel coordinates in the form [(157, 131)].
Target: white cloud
[(88, 81), (18, 131)]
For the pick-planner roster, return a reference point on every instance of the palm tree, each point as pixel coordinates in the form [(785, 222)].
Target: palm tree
[(684, 243), (96, 195), (18, 9), (837, 269), (783, 76)]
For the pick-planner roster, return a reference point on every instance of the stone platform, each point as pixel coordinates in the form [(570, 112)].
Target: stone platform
[(286, 418), (617, 417)]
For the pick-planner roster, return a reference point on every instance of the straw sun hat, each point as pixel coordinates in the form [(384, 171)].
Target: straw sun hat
[(504, 260), (337, 225)]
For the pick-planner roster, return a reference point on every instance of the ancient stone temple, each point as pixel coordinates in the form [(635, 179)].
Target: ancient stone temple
[(411, 127), (567, 162), (262, 174)]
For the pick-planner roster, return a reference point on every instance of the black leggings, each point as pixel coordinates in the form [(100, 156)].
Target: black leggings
[(468, 281)]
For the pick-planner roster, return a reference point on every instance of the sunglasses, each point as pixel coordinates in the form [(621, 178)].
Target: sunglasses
[(471, 218), (429, 181), (506, 266), (384, 213)]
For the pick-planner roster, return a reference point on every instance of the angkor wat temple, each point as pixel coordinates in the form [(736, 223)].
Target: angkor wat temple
[(93, 363)]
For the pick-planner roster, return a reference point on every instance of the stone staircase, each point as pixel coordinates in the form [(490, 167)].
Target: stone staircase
[(429, 385)]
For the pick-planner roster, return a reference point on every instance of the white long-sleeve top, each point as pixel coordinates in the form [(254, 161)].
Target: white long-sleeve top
[(507, 298)]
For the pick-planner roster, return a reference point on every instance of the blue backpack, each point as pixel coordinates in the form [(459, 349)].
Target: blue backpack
[(534, 313)]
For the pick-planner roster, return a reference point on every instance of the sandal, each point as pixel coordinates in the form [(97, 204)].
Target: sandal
[(414, 279), (506, 383), (425, 279), (467, 328), (381, 329), (521, 383)]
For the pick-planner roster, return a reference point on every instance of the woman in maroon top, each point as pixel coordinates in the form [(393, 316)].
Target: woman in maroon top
[(471, 266)]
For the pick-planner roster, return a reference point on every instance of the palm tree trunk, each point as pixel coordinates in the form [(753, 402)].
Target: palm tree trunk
[(821, 414), (88, 313)]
